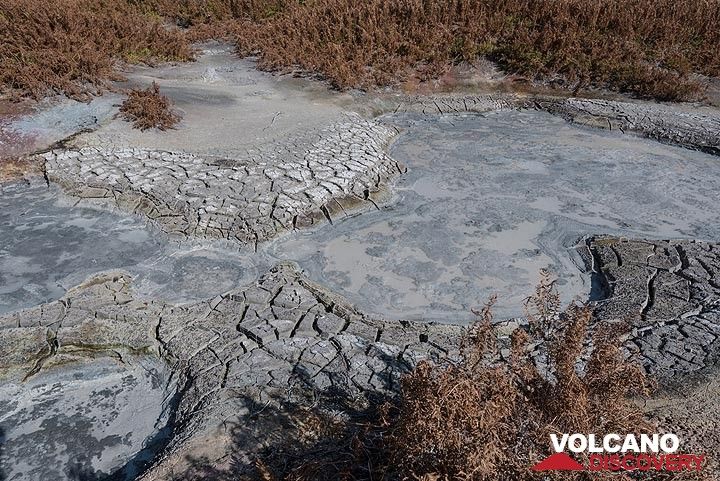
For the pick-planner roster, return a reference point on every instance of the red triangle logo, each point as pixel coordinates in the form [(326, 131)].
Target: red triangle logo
[(558, 462)]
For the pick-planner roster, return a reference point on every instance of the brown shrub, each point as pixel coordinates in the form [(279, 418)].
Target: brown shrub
[(484, 418), (190, 13), (72, 46), (647, 47), (651, 48), (210, 19), (148, 109)]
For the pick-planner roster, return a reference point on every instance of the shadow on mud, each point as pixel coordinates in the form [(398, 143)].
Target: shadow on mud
[(80, 469), (2, 443), (330, 433)]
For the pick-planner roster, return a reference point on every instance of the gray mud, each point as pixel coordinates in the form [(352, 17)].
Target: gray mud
[(491, 199), (84, 421), (488, 201), (47, 246)]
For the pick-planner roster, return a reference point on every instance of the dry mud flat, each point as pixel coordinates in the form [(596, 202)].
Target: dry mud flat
[(281, 253)]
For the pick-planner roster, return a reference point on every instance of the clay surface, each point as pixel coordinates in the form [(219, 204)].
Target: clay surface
[(489, 200), (668, 291), (247, 200), (228, 353), (85, 421), (169, 300)]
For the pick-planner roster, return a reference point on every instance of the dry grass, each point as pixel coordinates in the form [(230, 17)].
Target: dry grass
[(149, 109), (647, 47), (485, 416), (487, 419), (73, 46), (650, 48)]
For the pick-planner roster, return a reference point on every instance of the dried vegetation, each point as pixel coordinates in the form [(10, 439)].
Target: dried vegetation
[(485, 416), (73, 46), (149, 109), (661, 49), (650, 48)]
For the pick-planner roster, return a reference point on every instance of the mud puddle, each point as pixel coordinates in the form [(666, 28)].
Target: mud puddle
[(47, 246), (490, 200)]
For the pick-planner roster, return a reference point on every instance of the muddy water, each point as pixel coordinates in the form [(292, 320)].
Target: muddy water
[(488, 201), (47, 246), (491, 200)]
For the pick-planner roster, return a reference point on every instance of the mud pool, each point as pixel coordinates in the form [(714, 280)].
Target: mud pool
[(48, 246), (487, 202), (491, 199)]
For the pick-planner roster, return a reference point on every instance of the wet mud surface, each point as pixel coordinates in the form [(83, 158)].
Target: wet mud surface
[(490, 200), (48, 245), (487, 202), (85, 421)]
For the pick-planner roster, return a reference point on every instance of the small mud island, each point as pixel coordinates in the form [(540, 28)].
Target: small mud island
[(269, 280)]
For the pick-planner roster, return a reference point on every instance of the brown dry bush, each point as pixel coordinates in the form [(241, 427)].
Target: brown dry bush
[(647, 47), (148, 109), (486, 418), (210, 19), (189, 13), (650, 48), (73, 46), (488, 414)]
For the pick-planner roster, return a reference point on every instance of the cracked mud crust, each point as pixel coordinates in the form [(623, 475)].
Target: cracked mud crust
[(287, 336), (314, 177), (239, 354), (669, 293), (249, 200), (229, 353)]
